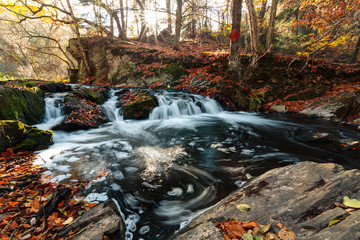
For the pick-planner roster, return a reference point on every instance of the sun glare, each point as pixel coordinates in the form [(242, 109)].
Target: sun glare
[(151, 17)]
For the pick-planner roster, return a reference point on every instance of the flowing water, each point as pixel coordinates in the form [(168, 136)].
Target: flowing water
[(189, 155)]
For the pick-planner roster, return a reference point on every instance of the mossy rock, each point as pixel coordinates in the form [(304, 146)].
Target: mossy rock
[(54, 87), (21, 137), (98, 97), (176, 71), (141, 108), (25, 105)]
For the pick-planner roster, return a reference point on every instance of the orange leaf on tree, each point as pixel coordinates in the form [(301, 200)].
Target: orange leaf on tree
[(3, 182)]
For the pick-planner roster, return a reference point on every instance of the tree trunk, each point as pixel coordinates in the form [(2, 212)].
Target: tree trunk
[(118, 25), (122, 15), (234, 58), (271, 29), (143, 31), (246, 33), (254, 37), (168, 10), (262, 16), (356, 51), (178, 24), (78, 36)]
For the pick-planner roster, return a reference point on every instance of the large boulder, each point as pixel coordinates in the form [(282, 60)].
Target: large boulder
[(55, 87), (82, 114), (27, 106), (138, 104), (21, 137), (98, 95), (82, 109), (300, 196), (343, 106)]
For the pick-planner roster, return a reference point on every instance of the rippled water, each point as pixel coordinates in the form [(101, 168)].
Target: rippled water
[(187, 157)]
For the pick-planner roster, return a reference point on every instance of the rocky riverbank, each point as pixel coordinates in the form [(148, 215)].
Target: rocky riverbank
[(304, 197)]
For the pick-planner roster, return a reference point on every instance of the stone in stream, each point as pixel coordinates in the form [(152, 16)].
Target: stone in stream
[(98, 223), (22, 137), (140, 105), (82, 109), (300, 196)]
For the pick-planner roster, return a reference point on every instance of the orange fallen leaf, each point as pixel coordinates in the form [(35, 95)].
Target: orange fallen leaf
[(3, 182), (35, 205), (90, 205), (13, 203)]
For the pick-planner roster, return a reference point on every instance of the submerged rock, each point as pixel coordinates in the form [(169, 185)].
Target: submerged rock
[(21, 137), (27, 106), (300, 196)]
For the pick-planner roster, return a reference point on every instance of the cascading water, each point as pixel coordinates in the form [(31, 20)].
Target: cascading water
[(182, 104), (189, 155), (111, 108), (53, 113)]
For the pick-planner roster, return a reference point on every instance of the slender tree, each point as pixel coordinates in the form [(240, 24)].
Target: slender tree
[(271, 28), (254, 37), (178, 23), (234, 59)]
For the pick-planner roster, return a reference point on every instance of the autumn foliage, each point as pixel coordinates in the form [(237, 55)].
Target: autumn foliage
[(25, 197)]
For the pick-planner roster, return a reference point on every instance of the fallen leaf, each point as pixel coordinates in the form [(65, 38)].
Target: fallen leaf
[(33, 221), (13, 226), (90, 205), (68, 221), (279, 225), (352, 203), (13, 203), (265, 228), (286, 234), (35, 205), (247, 236), (332, 222), (243, 207)]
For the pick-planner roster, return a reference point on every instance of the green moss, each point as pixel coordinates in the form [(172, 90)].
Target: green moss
[(176, 71), (21, 105), (90, 95), (140, 109), (23, 137)]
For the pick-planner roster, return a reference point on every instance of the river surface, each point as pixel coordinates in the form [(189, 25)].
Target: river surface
[(189, 155)]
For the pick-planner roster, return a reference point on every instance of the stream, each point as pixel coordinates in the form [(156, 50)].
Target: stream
[(189, 155)]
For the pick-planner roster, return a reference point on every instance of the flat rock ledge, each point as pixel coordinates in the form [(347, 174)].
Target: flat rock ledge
[(300, 196)]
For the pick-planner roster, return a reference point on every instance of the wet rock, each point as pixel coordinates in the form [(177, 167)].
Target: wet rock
[(342, 106), (21, 137), (54, 87), (106, 223), (82, 113), (300, 196), (24, 105), (316, 137), (138, 104), (278, 108), (95, 95)]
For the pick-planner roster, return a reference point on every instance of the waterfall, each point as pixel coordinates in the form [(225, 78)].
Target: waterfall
[(53, 112), (110, 106), (172, 105)]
